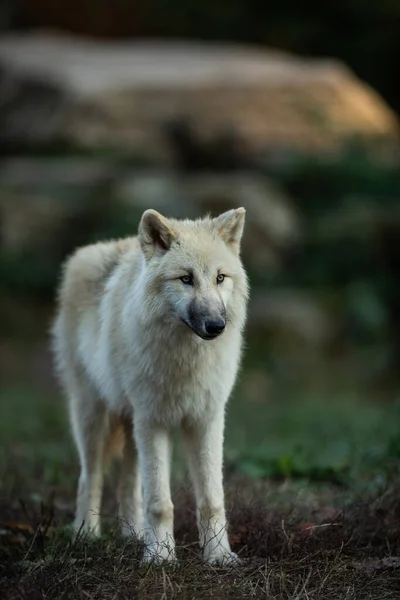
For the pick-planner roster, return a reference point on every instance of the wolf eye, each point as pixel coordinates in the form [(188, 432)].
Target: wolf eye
[(220, 278), (187, 279)]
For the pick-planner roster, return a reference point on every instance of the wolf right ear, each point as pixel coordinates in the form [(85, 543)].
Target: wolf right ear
[(155, 234), (230, 227)]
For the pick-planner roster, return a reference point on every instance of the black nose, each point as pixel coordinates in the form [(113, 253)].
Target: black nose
[(214, 327)]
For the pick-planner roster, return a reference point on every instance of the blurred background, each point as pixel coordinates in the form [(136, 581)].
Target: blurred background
[(291, 110)]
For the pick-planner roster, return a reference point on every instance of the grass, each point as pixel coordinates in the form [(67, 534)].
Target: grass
[(311, 483), (350, 556), (343, 440)]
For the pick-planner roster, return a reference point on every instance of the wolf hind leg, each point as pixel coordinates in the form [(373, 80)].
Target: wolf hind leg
[(90, 424), (130, 487)]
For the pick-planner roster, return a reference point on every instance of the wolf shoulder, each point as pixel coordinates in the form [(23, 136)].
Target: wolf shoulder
[(87, 271)]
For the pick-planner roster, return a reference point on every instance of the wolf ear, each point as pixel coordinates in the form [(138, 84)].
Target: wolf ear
[(155, 234), (230, 227)]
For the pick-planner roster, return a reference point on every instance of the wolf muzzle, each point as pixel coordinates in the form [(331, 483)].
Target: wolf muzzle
[(208, 327)]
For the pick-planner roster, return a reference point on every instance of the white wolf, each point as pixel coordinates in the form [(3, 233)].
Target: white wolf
[(148, 336)]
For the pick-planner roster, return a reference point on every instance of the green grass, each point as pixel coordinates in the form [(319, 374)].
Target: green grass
[(340, 439), (335, 438)]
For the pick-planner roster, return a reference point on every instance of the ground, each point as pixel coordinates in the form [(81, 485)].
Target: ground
[(312, 491)]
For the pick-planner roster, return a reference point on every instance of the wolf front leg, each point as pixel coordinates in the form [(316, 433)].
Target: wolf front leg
[(204, 446), (154, 448)]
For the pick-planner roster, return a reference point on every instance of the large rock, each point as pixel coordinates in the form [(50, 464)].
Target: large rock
[(272, 223), (49, 205), (102, 93), (41, 198), (296, 313)]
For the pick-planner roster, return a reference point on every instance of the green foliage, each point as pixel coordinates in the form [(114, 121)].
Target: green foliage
[(349, 209), (342, 441), (346, 205)]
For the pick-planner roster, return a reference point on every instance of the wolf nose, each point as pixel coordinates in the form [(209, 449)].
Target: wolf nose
[(214, 327)]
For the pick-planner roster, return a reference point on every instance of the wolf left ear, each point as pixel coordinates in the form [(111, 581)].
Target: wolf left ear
[(230, 227), (155, 234)]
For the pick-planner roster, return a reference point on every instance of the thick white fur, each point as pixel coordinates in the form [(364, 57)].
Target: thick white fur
[(133, 369)]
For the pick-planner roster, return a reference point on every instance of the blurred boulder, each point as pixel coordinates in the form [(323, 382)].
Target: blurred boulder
[(54, 87), (294, 313), (31, 110), (191, 150), (55, 173), (38, 197), (272, 222), (27, 220), (48, 206), (58, 203)]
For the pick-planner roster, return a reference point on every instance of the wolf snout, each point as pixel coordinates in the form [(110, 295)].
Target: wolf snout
[(214, 328)]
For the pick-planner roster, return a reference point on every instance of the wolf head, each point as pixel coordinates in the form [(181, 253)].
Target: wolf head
[(194, 270)]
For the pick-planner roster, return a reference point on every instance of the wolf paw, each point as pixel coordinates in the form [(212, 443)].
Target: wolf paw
[(159, 555), (222, 558)]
